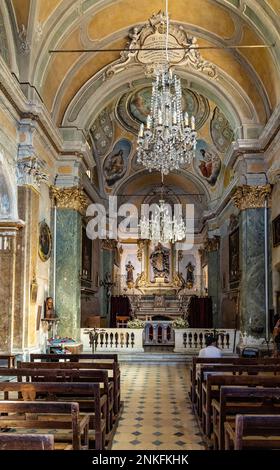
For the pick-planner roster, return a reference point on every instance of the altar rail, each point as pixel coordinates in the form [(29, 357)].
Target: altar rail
[(191, 340), (123, 340)]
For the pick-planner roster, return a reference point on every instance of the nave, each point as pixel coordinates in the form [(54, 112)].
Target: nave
[(157, 412)]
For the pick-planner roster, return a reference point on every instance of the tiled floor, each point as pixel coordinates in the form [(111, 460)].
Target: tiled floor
[(157, 412)]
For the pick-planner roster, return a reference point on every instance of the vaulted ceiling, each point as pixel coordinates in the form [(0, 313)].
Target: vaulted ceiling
[(72, 85)]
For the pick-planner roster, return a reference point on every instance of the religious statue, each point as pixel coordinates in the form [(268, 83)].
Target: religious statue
[(190, 275), (49, 309), (129, 276), (160, 261)]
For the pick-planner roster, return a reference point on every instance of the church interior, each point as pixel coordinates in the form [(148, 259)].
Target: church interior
[(139, 217)]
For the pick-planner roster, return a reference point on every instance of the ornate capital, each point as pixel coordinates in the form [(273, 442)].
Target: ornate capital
[(108, 244), (69, 198), (212, 244), (251, 197)]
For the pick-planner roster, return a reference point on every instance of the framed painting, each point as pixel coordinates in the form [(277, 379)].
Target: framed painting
[(45, 241), (276, 231), (234, 265)]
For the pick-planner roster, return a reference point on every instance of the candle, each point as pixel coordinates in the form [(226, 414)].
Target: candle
[(193, 123), (174, 117), (159, 116), (148, 122), (141, 133), (186, 119)]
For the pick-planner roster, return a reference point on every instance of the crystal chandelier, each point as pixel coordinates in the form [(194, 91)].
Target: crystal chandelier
[(161, 226), (168, 140)]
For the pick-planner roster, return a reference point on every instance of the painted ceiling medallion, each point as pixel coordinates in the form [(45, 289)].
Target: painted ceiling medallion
[(134, 107)]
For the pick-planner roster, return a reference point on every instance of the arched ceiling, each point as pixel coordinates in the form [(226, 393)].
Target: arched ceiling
[(76, 90), (82, 24)]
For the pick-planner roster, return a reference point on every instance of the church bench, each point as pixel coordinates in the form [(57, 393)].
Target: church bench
[(230, 369), (85, 394), (224, 360), (241, 400), (74, 357), (12, 441), (111, 367), (211, 390), (63, 417), (9, 358), (67, 375), (253, 432)]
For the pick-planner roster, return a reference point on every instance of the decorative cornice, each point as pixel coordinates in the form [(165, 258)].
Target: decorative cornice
[(251, 197), (109, 244), (69, 198), (212, 244)]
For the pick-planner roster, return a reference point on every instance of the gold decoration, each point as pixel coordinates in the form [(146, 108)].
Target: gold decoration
[(140, 245), (251, 197), (69, 198), (141, 280), (178, 280), (212, 244), (109, 244)]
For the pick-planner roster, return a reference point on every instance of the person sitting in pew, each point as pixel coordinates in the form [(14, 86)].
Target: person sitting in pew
[(211, 349)]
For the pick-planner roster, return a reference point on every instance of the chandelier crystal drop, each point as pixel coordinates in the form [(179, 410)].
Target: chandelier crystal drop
[(161, 226)]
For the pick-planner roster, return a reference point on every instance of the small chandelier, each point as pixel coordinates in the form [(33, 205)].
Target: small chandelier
[(161, 226), (168, 140)]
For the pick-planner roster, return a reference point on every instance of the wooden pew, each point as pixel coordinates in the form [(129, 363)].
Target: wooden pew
[(86, 394), (253, 431), (56, 374), (39, 415), (211, 391), (225, 360), (112, 367), (10, 358), (250, 369), (241, 400), (26, 441), (87, 357)]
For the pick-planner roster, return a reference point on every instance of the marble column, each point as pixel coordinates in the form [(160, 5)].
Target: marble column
[(106, 274), (70, 204), (8, 256), (212, 247), (251, 202)]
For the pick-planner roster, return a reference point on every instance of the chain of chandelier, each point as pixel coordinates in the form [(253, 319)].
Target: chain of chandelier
[(166, 143)]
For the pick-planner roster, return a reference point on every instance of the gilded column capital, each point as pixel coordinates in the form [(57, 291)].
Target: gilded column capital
[(109, 244), (212, 244), (69, 198), (251, 197)]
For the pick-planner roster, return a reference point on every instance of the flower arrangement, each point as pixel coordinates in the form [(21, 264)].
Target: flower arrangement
[(135, 324), (180, 323)]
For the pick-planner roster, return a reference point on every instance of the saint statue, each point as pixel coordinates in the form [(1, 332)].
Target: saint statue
[(160, 261), (129, 276), (49, 308), (190, 275)]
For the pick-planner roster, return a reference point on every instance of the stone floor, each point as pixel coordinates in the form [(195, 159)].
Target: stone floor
[(157, 411)]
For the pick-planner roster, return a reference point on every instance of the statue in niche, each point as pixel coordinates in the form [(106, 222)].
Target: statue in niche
[(190, 275), (129, 274), (49, 309), (160, 262)]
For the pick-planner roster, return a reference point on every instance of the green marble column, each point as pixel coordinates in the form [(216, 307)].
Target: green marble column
[(252, 291), (213, 249), (106, 268), (251, 201), (70, 203), (68, 272)]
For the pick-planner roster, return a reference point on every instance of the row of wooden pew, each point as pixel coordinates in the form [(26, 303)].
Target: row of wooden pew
[(75, 397), (237, 401)]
